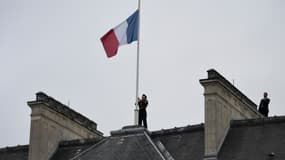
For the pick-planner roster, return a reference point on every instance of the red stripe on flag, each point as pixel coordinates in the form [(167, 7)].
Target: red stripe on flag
[(110, 43)]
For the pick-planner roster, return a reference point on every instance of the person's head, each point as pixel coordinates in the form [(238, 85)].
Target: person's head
[(144, 97), (265, 94)]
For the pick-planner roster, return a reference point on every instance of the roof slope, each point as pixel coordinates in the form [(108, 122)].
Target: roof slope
[(123, 147), (14, 153), (256, 139), (183, 143), (133, 142)]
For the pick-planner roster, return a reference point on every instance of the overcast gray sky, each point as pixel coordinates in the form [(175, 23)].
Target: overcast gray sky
[(53, 46)]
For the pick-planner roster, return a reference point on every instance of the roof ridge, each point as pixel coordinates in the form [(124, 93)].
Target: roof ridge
[(188, 128), (154, 146), (163, 150), (257, 121)]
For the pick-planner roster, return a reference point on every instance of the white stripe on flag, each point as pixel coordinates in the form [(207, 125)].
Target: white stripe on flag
[(121, 32)]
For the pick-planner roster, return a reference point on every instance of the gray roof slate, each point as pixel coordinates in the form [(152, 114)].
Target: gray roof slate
[(255, 139), (128, 147), (14, 153), (183, 143), (70, 149)]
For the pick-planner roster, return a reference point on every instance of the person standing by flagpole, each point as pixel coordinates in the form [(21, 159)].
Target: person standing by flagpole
[(125, 33), (142, 103)]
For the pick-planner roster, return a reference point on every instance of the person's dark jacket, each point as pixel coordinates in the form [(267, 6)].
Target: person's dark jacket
[(263, 106), (142, 104)]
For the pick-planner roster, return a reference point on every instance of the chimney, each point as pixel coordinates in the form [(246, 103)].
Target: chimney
[(223, 103), (52, 122)]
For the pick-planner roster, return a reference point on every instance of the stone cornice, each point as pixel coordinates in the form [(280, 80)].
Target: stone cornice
[(51, 103), (214, 76)]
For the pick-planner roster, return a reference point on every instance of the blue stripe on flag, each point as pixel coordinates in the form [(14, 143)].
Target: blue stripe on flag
[(132, 31)]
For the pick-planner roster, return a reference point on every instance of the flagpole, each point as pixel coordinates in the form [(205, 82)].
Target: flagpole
[(138, 62)]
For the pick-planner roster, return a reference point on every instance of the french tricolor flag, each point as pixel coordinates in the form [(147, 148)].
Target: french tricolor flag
[(124, 33)]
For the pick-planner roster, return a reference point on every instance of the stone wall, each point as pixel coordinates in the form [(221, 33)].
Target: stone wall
[(223, 103)]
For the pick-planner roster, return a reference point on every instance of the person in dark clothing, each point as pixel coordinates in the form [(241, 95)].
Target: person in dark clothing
[(263, 106), (143, 102)]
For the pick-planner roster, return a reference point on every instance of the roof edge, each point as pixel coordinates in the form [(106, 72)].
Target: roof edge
[(15, 148), (257, 121), (189, 128)]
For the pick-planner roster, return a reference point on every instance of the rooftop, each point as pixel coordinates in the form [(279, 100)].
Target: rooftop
[(254, 139)]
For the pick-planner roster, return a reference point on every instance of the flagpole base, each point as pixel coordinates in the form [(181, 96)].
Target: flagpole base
[(136, 120)]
